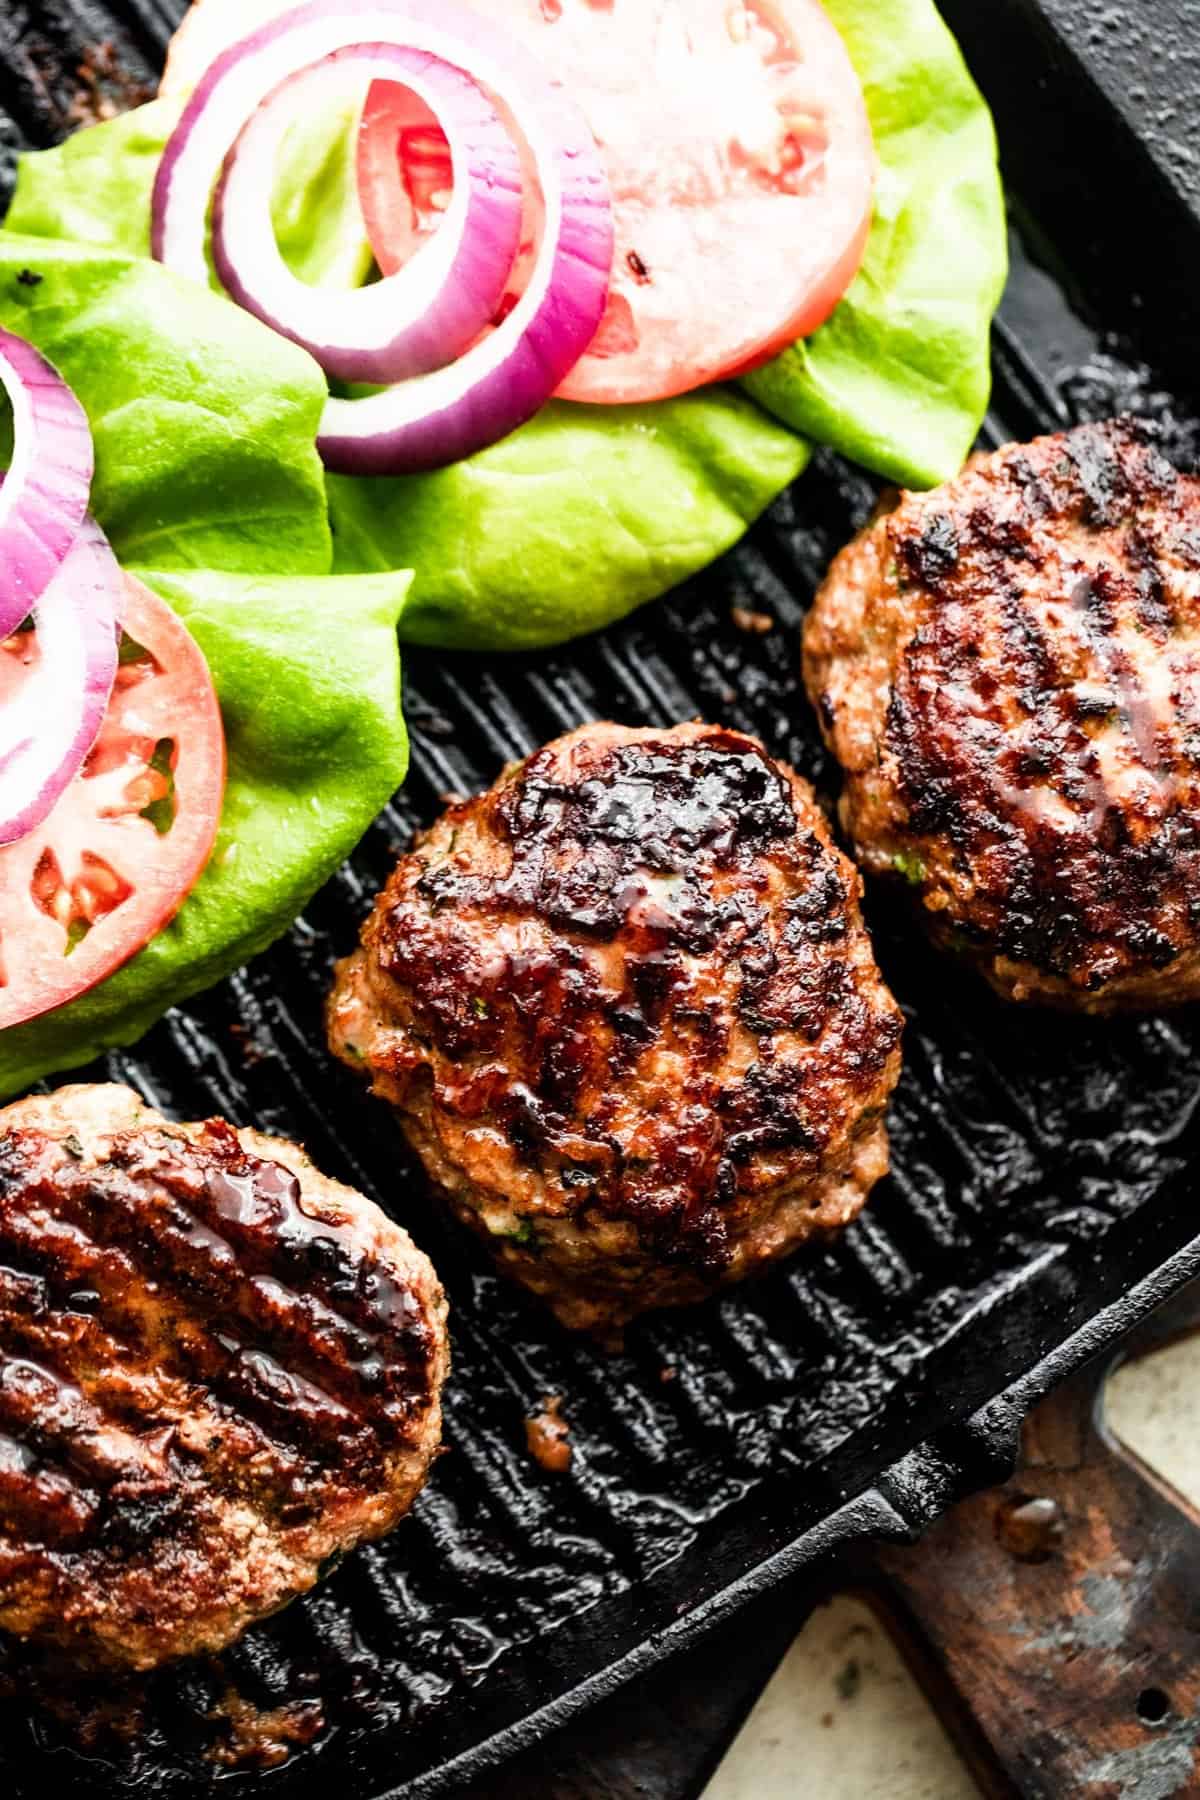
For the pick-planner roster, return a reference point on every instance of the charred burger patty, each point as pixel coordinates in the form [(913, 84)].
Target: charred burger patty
[(1008, 670), (630, 1018), (219, 1369)]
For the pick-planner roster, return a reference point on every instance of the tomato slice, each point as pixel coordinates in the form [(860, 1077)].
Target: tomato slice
[(130, 836), (405, 175), (406, 181), (741, 164)]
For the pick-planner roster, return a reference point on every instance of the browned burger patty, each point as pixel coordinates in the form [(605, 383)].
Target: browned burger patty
[(628, 1012), (218, 1370), (1008, 670)]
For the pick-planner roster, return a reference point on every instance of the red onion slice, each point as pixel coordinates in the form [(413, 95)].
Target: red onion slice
[(45, 493), (51, 722), (425, 315), (508, 375)]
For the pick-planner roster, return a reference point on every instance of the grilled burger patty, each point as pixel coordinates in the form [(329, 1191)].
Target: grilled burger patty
[(219, 1369), (626, 1007), (1008, 670)]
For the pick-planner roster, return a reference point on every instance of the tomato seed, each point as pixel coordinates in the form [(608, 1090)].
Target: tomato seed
[(145, 789)]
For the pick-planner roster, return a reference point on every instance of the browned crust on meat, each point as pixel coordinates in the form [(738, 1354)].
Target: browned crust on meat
[(1008, 670), (627, 1009), (219, 1370)]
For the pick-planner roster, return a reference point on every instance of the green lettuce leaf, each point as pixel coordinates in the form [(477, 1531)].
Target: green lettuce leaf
[(899, 378), (206, 473), (570, 523), (204, 421), (318, 220), (308, 675), (95, 189)]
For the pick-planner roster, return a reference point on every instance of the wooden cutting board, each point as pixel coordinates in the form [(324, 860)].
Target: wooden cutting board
[(1054, 1623)]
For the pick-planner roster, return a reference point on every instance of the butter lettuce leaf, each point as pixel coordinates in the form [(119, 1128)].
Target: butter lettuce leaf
[(318, 220), (204, 421), (95, 188), (308, 675), (900, 376), (207, 476), (579, 517)]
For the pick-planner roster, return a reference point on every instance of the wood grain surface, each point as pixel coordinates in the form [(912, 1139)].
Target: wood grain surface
[(1054, 1623)]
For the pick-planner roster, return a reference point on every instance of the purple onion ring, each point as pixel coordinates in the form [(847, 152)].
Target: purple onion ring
[(44, 496), (426, 314), (47, 729), (504, 378)]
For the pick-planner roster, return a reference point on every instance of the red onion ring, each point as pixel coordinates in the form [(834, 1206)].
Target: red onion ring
[(45, 493), (429, 312), (507, 376), (47, 729)]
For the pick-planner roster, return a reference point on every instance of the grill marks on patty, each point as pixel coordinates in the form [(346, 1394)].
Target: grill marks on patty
[(656, 848), (216, 1370), (1033, 631), (580, 851), (195, 1260), (629, 984)]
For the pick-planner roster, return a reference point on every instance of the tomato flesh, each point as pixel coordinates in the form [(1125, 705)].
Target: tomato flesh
[(405, 174), (129, 837), (406, 180), (739, 155)]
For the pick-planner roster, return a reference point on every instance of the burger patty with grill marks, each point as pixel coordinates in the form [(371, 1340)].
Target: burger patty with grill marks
[(630, 1018), (218, 1370), (1008, 670)]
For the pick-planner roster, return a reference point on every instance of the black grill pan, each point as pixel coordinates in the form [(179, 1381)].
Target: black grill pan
[(1043, 1193)]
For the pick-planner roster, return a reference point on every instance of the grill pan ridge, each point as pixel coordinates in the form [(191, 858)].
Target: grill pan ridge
[(1041, 1199)]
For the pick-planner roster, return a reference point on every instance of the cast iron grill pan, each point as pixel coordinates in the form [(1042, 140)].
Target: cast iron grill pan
[(1040, 1202)]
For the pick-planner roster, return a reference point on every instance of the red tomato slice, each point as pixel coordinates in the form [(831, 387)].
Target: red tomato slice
[(406, 180), (741, 165), (128, 839), (405, 175)]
